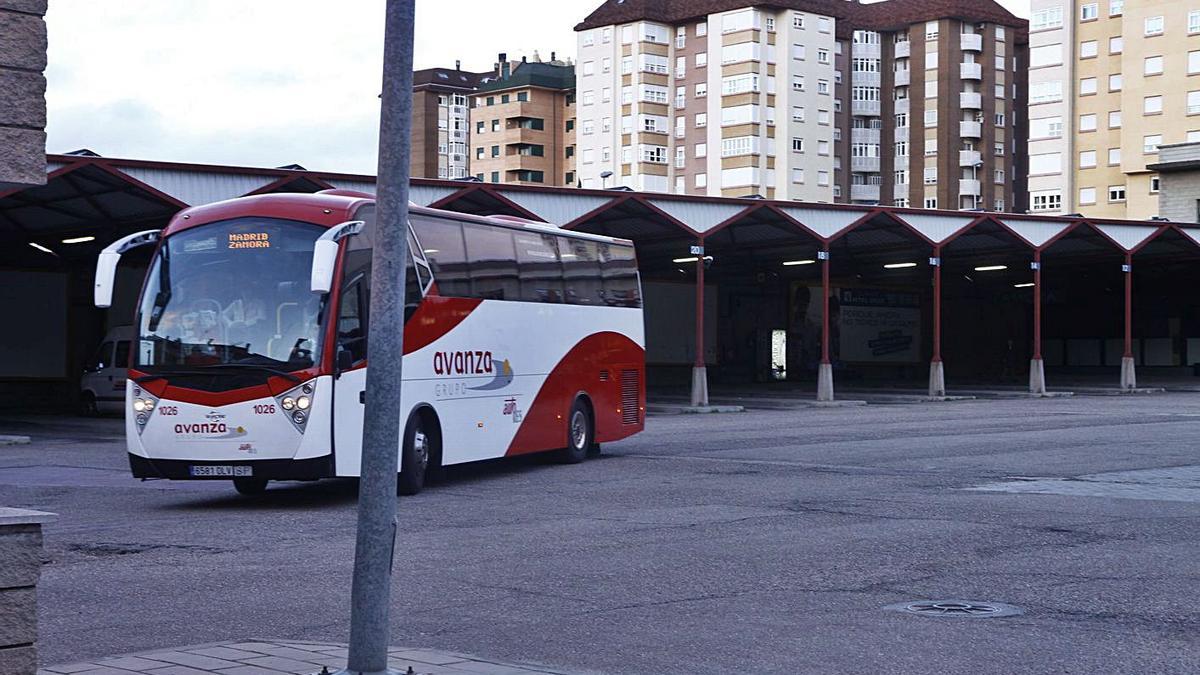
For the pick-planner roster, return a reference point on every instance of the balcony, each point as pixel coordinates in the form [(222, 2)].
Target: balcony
[(865, 79), (902, 78), (869, 108), (864, 193), (970, 71), (970, 129), (864, 136), (969, 158), (864, 164), (900, 190), (972, 42), (900, 106), (970, 100), (968, 187), (903, 49)]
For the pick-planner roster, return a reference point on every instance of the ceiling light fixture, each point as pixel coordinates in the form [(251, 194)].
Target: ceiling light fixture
[(1025, 285), (991, 268), (78, 240), (899, 266), (41, 248), (793, 263), (691, 259)]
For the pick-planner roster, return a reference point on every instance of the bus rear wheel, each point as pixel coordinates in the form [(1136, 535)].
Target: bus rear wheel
[(580, 434), (250, 486), (414, 460)]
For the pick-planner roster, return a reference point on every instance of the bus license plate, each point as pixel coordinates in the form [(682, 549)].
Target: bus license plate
[(221, 471)]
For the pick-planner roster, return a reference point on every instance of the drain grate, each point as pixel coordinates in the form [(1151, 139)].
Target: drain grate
[(956, 608)]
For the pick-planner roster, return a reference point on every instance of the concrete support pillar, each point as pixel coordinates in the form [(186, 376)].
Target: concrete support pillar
[(21, 558), (699, 371), (1037, 367), (825, 370), (1128, 371), (937, 371)]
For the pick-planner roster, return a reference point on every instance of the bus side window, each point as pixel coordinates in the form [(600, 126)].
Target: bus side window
[(442, 242), (351, 323), (493, 262), (581, 271), (619, 275), (541, 272)]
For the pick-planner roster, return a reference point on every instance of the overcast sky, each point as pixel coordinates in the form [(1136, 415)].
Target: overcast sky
[(268, 82)]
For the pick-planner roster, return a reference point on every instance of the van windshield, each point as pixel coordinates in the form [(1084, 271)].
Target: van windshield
[(231, 293)]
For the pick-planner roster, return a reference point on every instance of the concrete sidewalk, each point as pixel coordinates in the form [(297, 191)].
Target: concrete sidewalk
[(276, 657)]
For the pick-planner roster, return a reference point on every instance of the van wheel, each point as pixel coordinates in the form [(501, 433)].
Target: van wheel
[(414, 460), (250, 486), (580, 434), (87, 405)]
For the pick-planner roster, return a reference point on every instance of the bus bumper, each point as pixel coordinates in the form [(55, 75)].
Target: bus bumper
[(271, 469)]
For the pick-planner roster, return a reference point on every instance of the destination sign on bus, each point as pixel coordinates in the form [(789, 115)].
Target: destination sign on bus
[(249, 240)]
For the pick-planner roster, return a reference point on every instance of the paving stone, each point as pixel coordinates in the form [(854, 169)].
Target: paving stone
[(288, 652), (222, 652), (433, 658), (135, 663), (284, 664), (70, 668), (248, 670), (175, 670), (197, 661)]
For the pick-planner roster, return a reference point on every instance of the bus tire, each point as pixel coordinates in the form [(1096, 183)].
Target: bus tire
[(414, 459), (250, 487), (581, 433)]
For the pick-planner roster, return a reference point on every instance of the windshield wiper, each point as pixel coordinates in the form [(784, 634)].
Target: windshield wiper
[(255, 366)]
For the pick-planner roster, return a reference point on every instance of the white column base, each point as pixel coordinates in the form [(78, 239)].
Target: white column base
[(699, 386), (1128, 373), (825, 382), (1037, 377), (937, 379)]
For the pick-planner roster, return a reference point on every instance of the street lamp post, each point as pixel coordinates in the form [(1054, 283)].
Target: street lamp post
[(370, 595), (604, 176)]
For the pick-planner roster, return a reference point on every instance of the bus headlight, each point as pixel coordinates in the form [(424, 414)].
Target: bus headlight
[(143, 405), (296, 403)]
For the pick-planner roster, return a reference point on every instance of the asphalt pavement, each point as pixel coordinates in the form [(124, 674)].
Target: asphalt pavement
[(768, 541)]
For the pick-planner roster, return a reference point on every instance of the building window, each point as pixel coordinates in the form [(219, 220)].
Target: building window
[(931, 30), (1193, 22), (1045, 92), (998, 177), (931, 202), (1087, 122), (823, 178), (1051, 17), (701, 59), (606, 35), (701, 180), (1087, 195), (797, 145), (1046, 201), (701, 90), (1089, 11), (1116, 193), (797, 175), (931, 175), (900, 202), (495, 151), (1153, 65), (1150, 143), (1087, 86), (479, 152), (1087, 159), (1116, 7), (823, 148), (495, 176), (701, 150), (479, 127), (1193, 63), (798, 113), (823, 87), (824, 24), (1114, 119), (1115, 82), (1155, 185), (1046, 164), (823, 56), (798, 82), (1154, 25), (1087, 49), (701, 120), (1116, 44), (1193, 103), (931, 118), (1152, 105), (931, 89), (1114, 156), (570, 125)]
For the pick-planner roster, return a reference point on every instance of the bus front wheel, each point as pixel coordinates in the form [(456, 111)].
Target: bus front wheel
[(581, 434), (414, 460), (250, 486)]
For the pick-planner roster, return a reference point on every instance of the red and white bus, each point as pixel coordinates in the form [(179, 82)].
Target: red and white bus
[(249, 347)]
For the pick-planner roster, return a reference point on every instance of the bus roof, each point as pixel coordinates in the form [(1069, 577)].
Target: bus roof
[(331, 207)]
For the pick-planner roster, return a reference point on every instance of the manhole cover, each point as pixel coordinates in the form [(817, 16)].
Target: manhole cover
[(962, 608)]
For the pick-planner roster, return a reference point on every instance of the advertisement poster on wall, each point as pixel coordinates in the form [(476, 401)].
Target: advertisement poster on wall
[(878, 326)]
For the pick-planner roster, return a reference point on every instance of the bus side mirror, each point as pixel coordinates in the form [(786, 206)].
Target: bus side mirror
[(324, 258), (106, 264), (106, 275)]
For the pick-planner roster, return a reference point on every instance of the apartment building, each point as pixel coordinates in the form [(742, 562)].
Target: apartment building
[(523, 124), (440, 130), (903, 102), (1110, 81)]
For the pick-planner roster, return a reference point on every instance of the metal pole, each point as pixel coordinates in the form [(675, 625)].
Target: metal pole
[(1037, 306), (1128, 305), (700, 307), (373, 552), (937, 305), (825, 308)]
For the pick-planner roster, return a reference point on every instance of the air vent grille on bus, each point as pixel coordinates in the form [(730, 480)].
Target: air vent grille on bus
[(629, 396), (604, 376)]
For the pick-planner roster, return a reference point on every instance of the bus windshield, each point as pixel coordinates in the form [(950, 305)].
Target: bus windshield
[(232, 293)]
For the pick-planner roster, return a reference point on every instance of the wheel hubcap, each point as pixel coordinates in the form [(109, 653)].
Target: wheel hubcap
[(421, 448), (578, 430)]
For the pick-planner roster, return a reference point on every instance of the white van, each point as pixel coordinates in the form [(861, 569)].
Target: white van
[(102, 387)]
